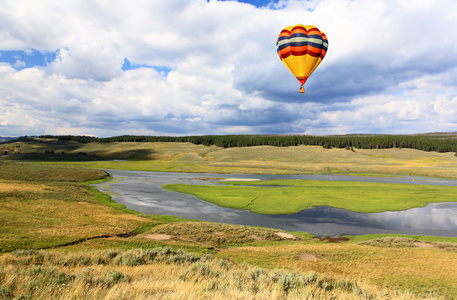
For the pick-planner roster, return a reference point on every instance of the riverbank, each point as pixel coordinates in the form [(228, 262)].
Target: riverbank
[(143, 191)]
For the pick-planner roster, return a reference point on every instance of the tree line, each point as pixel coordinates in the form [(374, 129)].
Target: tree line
[(444, 142)]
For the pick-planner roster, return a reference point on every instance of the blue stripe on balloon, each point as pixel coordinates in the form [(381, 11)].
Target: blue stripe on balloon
[(299, 44), (315, 45), (283, 38), (298, 34), (283, 46)]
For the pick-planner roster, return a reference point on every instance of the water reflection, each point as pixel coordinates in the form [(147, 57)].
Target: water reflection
[(142, 191)]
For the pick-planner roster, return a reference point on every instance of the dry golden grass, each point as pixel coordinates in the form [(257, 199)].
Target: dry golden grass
[(43, 207), (162, 273), (421, 270), (11, 187), (187, 157), (50, 222), (221, 235)]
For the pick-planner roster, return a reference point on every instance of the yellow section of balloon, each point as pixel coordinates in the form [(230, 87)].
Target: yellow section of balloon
[(301, 49)]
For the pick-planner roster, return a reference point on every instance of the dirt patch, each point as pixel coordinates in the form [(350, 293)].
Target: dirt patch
[(307, 256), (255, 237), (159, 237), (337, 239), (286, 236), (423, 245), (208, 178)]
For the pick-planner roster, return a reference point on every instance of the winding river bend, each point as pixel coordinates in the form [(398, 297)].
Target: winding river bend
[(142, 191)]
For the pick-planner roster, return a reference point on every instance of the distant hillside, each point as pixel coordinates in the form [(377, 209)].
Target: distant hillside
[(439, 142), (7, 138)]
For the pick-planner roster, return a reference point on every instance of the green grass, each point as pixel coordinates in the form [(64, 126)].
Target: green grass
[(425, 238), (187, 157), (48, 207), (31, 173), (292, 196)]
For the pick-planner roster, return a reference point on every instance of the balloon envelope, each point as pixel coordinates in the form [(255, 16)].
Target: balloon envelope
[(302, 48)]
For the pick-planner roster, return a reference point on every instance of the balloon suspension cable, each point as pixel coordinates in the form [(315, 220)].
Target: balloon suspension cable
[(302, 89)]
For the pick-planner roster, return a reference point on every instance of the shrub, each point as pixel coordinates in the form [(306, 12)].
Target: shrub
[(289, 281), (131, 258), (391, 242), (24, 252)]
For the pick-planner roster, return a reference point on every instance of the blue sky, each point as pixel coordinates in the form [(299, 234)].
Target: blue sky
[(258, 3), (22, 59), (188, 67)]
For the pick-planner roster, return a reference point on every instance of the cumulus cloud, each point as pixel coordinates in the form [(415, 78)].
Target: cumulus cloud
[(390, 68), (19, 64)]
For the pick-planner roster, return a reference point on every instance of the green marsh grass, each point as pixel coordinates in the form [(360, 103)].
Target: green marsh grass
[(292, 196)]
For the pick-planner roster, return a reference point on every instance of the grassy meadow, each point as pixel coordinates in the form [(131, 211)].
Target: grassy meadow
[(293, 196), (187, 157), (45, 207), (62, 239), (163, 273)]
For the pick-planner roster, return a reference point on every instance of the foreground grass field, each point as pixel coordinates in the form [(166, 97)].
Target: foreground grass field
[(111, 253), (293, 196), (162, 273), (97, 249)]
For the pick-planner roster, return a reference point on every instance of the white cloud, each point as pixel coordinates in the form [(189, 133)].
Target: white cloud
[(19, 64), (86, 62), (390, 68)]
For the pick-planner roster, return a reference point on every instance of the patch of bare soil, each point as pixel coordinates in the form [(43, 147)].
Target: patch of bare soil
[(159, 237), (307, 256), (208, 178), (255, 237), (334, 239), (286, 236), (423, 245)]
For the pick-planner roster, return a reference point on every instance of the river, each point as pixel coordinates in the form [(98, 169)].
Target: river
[(142, 191)]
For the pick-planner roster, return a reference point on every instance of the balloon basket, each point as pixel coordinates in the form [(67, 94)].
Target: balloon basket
[(302, 89)]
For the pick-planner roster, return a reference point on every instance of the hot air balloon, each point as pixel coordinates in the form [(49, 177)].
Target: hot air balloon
[(302, 48)]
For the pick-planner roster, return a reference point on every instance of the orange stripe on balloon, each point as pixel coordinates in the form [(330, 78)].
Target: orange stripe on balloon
[(323, 53), (284, 33), (314, 31), (299, 30), (298, 49), (314, 49)]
